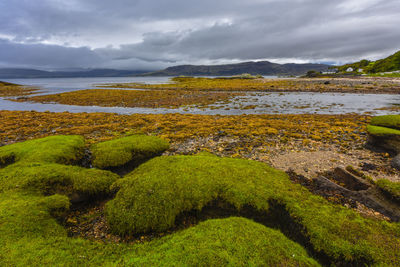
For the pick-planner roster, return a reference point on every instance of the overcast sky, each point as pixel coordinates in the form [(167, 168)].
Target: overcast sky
[(149, 34)]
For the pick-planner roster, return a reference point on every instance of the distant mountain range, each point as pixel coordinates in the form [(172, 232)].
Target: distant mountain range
[(9, 73), (254, 68), (261, 67)]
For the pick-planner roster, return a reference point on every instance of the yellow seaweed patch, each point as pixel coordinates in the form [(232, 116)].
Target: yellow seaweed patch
[(253, 130), (133, 98), (272, 85), (10, 89)]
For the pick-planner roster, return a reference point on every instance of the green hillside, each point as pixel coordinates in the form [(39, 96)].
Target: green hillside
[(391, 63)]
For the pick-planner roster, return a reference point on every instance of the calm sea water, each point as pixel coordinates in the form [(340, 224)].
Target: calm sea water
[(252, 103)]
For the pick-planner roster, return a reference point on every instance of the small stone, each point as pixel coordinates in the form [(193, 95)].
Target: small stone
[(396, 162)]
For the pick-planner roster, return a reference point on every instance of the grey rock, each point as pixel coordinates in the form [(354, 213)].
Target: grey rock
[(396, 162)]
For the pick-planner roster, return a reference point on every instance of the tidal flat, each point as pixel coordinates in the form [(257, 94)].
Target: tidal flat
[(212, 96), (166, 189)]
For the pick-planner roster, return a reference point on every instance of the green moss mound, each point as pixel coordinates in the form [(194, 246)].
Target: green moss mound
[(221, 242), (391, 189), (35, 165), (381, 131), (384, 133), (120, 151), (29, 235), (156, 192), (389, 121), (54, 149), (50, 178), (152, 196)]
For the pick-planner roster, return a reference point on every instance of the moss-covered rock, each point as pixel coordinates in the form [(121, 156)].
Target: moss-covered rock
[(40, 165), (389, 121), (224, 242), (30, 236), (384, 133), (51, 178), (153, 195), (119, 152), (53, 149), (390, 189)]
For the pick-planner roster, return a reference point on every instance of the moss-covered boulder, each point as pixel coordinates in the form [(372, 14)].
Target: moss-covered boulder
[(53, 149), (384, 133), (41, 165), (30, 236), (118, 152), (51, 178), (224, 242), (390, 189), (151, 197), (389, 121)]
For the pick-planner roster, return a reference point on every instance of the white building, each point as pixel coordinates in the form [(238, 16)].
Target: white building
[(350, 69)]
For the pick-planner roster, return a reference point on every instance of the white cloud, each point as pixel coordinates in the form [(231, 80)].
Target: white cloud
[(144, 33)]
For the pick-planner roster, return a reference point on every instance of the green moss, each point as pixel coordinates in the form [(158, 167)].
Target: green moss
[(30, 236), (381, 131), (222, 242), (168, 186), (54, 149), (50, 178), (391, 189), (389, 121), (123, 150), (57, 205), (153, 195)]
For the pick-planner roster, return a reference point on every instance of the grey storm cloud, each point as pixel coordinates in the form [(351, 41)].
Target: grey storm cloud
[(135, 34)]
